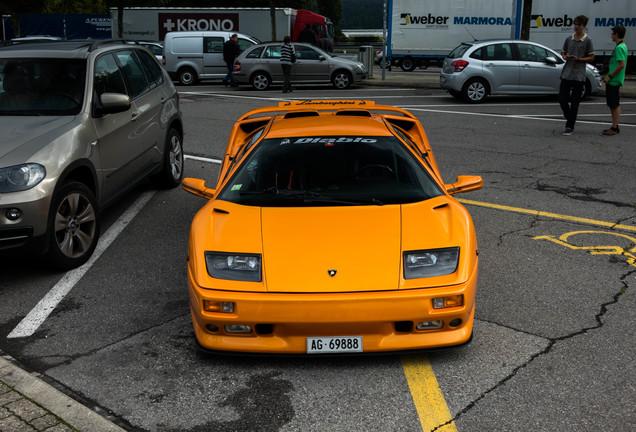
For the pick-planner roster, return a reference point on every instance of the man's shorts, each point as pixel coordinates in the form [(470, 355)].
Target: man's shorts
[(611, 94)]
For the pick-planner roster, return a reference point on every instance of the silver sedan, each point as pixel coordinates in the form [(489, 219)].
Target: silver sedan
[(259, 66)]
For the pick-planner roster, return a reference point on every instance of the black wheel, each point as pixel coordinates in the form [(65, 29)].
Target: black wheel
[(260, 81), (171, 173), (187, 76), (341, 79), (74, 222), (407, 64), (475, 91)]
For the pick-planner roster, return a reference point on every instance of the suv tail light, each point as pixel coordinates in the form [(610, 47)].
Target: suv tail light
[(459, 65), (237, 66)]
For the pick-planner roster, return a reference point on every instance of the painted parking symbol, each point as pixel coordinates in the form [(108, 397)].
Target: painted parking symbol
[(568, 241)]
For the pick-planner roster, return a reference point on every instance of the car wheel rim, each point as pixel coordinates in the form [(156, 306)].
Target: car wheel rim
[(176, 157), (342, 81), (74, 225), (261, 82), (476, 91), (186, 77)]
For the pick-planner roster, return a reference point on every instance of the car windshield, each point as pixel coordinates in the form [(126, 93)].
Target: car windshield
[(330, 171), (44, 86)]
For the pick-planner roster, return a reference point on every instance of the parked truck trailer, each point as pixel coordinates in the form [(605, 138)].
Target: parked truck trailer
[(153, 23), (424, 33)]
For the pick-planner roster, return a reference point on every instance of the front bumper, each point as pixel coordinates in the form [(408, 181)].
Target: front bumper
[(281, 323)]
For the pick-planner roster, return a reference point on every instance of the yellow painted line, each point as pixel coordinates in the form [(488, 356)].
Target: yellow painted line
[(427, 396), (550, 215)]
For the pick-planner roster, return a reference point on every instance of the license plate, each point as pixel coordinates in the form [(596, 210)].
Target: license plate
[(334, 344)]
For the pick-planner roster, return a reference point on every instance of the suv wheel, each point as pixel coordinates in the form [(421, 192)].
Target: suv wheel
[(260, 81), (341, 79), (187, 76), (74, 223), (475, 90), (171, 173)]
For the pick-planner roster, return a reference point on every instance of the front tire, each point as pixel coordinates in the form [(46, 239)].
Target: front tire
[(408, 65), (74, 223), (341, 79), (187, 76), (475, 91), (171, 173)]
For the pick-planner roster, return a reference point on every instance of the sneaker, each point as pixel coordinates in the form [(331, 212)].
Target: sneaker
[(567, 132), (611, 131)]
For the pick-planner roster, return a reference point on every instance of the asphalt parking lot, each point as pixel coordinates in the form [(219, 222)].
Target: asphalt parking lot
[(553, 346)]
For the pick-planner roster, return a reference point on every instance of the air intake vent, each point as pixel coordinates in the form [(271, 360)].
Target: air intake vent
[(297, 114), (356, 113)]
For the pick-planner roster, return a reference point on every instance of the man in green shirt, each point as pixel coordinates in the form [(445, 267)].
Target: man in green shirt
[(615, 78)]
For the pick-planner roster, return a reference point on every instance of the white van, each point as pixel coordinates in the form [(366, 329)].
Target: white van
[(193, 55)]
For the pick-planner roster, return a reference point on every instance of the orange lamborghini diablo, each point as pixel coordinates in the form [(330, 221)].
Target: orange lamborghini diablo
[(330, 231)]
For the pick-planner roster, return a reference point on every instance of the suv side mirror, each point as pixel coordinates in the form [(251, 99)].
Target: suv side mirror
[(110, 103)]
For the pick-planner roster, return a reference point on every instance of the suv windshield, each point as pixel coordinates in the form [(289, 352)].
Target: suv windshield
[(43, 86), (327, 171)]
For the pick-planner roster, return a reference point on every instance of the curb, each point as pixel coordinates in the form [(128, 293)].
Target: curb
[(32, 392)]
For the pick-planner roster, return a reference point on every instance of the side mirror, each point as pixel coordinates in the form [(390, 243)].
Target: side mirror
[(551, 60), (110, 103), (465, 184), (197, 187), (321, 58)]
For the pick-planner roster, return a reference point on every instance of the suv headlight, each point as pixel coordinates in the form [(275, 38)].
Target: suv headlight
[(21, 177), (429, 263), (237, 267)]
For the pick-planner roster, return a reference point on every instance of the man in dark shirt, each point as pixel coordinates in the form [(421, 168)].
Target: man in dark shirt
[(230, 52), (308, 35)]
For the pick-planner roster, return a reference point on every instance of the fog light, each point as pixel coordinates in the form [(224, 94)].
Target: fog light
[(13, 214), (448, 302), (238, 328), (218, 306), (429, 325)]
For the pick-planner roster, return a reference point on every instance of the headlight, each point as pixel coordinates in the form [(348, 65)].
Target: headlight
[(238, 267), (429, 263), (21, 177)]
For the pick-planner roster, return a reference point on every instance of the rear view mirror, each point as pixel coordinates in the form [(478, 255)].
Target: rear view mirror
[(465, 184), (197, 187)]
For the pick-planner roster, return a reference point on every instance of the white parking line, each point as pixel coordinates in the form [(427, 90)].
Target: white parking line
[(202, 159), (517, 116), (49, 302)]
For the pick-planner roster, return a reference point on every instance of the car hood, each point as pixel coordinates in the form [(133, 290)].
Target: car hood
[(19, 130), (331, 249), (348, 61)]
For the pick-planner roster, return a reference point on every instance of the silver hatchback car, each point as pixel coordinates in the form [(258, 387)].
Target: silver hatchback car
[(259, 66), (475, 70), (82, 123)]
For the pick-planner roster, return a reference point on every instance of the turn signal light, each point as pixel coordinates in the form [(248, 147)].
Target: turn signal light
[(218, 306), (448, 302)]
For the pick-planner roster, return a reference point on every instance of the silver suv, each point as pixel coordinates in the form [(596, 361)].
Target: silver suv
[(260, 67), (82, 123), (474, 70)]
